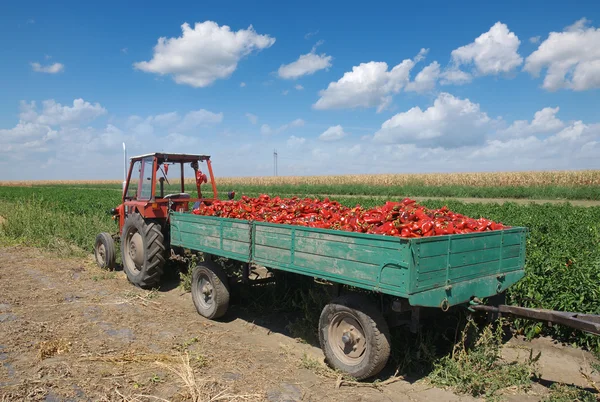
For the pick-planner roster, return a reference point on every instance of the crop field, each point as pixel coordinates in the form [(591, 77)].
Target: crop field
[(563, 243)]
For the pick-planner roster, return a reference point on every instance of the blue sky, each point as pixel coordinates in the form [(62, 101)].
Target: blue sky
[(477, 87)]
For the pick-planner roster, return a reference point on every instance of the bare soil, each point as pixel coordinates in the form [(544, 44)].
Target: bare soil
[(70, 331)]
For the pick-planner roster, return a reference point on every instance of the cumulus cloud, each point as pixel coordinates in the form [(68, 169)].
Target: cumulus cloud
[(544, 121), (333, 133), (172, 122), (426, 79), (535, 39), (306, 64), (49, 69), (203, 54), (199, 118), (571, 58), (450, 122), (493, 52), (54, 113), (367, 85), (294, 141), (455, 76), (299, 87)]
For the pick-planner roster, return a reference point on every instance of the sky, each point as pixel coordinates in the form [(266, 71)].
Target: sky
[(335, 87)]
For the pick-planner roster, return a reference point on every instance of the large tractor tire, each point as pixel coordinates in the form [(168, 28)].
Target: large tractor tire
[(354, 336), (104, 251), (210, 290), (143, 251)]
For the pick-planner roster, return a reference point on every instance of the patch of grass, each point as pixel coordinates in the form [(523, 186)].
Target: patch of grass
[(103, 276), (36, 223), (569, 393), (478, 369)]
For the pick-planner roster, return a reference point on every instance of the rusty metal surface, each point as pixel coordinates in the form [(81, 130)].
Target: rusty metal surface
[(584, 322)]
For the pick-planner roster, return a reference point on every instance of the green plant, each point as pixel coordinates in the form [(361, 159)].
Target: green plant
[(479, 370), (568, 393)]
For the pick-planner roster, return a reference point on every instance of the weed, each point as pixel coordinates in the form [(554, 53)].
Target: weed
[(569, 393), (479, 370), (103, 276), (156, 379)]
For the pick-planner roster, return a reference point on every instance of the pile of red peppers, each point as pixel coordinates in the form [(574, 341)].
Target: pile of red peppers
[(404, 219)]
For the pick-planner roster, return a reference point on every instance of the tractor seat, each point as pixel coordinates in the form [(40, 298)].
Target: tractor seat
[(177, 195)]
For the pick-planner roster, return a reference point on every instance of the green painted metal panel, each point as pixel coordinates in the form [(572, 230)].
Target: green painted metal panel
[(226, 237), (463, 291), (456, 267)]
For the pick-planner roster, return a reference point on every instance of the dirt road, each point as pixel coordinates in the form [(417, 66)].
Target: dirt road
[(69, 331)]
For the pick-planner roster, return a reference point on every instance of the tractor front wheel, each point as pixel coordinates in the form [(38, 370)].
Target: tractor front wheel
[(104, 251), (143, 251)]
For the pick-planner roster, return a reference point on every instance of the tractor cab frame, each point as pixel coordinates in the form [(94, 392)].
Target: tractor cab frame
[(144, 191)]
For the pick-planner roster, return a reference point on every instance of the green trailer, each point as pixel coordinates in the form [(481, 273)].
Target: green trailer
[(388, 280), (409, 274)]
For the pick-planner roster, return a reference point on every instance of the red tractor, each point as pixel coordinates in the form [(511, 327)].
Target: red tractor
[(143, 216)]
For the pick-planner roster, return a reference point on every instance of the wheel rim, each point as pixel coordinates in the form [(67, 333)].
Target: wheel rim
[(100, 254), (134, 250), (346, 338), (206, 293)]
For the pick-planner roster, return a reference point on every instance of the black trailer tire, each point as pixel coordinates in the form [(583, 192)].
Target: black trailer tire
[(354, 336), (210, 290), (104, 251), (143, 251)]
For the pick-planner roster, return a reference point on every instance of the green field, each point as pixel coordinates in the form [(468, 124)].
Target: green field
[(563, 246)]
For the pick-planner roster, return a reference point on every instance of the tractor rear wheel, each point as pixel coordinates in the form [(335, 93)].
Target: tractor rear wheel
[(143, 251), (104, 251)]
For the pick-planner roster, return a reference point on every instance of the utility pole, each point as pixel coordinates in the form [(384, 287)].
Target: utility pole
[(275, 161)]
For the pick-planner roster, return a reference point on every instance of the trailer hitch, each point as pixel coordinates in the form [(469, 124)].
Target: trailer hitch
[(584, 322)]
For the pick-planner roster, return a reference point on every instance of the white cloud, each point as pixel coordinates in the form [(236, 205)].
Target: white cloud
[(450, 122), (203, 54), (455, 76), (299, 87), (252, 118), (544, 121), (367, 85), (199, 118), (535, 39), (124, 50), (493, 52), (166, 119), (265, 129), (333, 133), (306, 64), (571, 58), (242, 84), (285, 92), (294, 141), (49, 69), (310, 34), (426, 79), (54, 113)]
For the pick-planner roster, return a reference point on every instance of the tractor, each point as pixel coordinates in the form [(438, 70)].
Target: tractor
[(143, 215)]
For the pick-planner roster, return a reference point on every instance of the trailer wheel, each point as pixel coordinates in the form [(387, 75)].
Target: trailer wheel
[(143, 251), (210, 290), (354, 336), (104, 251)]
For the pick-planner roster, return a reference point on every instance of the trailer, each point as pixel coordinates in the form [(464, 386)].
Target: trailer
[(375, 278)]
